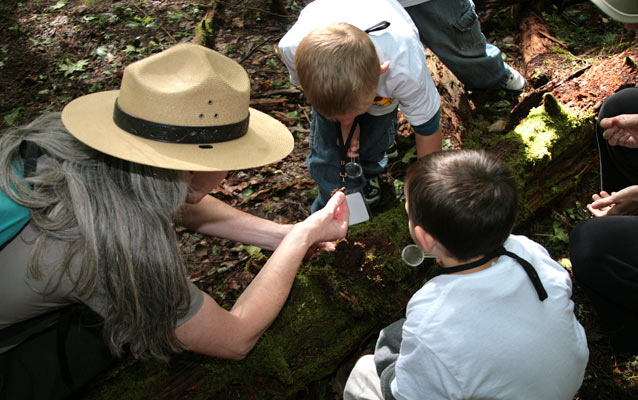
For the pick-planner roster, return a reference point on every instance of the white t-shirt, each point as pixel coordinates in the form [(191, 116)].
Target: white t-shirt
[(406, 83), (487, 334)]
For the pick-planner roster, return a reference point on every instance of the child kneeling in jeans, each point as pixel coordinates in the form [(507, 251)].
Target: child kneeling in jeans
[(357, 62), (496, 321)]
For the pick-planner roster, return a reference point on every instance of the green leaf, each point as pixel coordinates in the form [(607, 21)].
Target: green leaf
[(252, 250), (560, 233), (10, 118), (398, 188), (59, 5), (447, 144), (69, 67), (409, 155), (101, 51), (247, 192)]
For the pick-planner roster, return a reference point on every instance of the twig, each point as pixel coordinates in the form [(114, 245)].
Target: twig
[(220, 270), (251, 51)]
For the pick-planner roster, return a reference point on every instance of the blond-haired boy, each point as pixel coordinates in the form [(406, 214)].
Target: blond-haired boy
[(357, 61)]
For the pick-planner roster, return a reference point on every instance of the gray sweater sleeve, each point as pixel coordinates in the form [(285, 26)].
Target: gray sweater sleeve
[(386, 354)]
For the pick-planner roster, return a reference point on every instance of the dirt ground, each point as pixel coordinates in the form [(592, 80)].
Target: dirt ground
[(52, 51)]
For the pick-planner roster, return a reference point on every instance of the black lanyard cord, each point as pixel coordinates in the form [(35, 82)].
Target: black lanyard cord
[(343, 147), (529, 269)]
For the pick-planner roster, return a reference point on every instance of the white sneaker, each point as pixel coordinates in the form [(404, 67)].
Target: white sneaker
[(515, 81)]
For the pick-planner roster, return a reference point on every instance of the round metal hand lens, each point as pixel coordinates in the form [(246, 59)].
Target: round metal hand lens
[(353, 169)]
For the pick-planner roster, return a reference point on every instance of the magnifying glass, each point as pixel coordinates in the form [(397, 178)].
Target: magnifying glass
[(413, 255), (353, 169)]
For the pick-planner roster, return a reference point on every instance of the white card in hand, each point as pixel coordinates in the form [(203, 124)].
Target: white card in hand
[(358, 208)]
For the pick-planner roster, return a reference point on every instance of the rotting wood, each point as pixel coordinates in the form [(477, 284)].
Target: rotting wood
[(204, 33)]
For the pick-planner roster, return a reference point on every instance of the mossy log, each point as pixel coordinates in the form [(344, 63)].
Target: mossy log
[(205, 32), (336, 301), (549, 152)]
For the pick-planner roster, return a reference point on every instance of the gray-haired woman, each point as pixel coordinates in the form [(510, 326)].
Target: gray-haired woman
[(88, 206)]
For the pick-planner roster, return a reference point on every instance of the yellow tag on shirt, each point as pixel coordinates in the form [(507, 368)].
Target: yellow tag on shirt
[(382, 101)]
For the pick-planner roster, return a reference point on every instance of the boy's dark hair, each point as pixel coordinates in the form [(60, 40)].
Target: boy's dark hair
[(465, 199)]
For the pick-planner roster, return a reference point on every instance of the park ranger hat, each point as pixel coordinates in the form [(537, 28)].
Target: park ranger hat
[(185, 108), (625, 11)]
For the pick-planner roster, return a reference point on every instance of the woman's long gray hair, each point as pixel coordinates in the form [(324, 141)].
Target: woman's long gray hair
[(117, 216)]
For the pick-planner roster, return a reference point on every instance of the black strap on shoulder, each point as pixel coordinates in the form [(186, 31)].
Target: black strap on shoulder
[(8, 334), (529, 269), (378, 27), (30, 152)]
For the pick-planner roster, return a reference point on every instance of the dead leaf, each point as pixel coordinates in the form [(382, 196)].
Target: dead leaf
[(201, 250)]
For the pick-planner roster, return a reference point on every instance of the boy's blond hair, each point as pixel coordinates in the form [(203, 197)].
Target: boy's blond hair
[(338, 68)]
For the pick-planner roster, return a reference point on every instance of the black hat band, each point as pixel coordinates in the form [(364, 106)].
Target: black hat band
[(176, 133)]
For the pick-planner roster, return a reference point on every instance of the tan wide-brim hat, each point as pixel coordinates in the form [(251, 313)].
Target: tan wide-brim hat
[(625, 11), (186, 108)]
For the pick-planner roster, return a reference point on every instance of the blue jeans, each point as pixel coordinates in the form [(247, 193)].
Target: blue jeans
[(451, 29), (377, 133)]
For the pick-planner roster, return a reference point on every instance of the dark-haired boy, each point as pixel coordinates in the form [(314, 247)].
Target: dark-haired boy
[(496, 321)]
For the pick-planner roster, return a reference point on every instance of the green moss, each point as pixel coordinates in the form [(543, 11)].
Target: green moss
[(546, 135), (137, 382), (204, 33), (330, 310)]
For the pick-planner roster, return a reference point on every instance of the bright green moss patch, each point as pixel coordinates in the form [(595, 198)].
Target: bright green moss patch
[(543, 128), (546, 151)]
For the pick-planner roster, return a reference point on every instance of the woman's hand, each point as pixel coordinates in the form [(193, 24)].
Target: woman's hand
[(328, 224), (624, 202), (621, 130)]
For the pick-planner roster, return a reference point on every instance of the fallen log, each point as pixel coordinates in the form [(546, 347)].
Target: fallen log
[(336, 301)]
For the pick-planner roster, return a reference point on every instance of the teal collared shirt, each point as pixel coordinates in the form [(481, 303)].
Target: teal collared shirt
[(13, 217)]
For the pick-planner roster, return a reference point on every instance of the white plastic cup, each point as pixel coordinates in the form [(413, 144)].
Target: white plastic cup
[(413, 255)]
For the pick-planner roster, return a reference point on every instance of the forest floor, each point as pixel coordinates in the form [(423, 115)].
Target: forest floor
[(52, 51)]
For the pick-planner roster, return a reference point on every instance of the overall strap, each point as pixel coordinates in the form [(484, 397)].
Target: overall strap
[(500, 251)]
